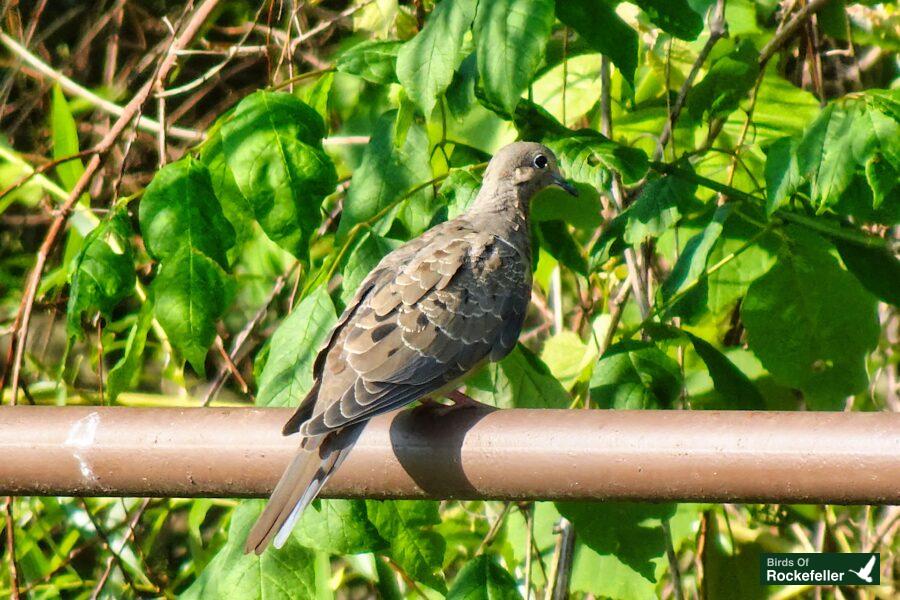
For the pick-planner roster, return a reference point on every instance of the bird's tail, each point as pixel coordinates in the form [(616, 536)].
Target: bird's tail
[(299, 485)]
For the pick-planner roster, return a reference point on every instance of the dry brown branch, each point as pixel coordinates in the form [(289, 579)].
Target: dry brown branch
[(23, 316)]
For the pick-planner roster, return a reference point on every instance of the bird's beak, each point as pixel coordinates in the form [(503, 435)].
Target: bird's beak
[(562, 182)]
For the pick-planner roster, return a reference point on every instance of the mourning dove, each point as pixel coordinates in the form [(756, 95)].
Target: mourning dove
[(431, 312)]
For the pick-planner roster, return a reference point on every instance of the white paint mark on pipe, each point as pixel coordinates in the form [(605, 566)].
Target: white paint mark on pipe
[(81, 436)]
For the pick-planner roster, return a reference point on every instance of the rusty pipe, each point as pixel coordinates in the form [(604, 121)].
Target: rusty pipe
[(715, 456)]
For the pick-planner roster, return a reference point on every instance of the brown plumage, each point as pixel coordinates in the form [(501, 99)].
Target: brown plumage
[(429, 313)]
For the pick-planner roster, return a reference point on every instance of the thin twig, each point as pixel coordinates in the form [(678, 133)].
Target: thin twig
[(717, 30), (145, 123)]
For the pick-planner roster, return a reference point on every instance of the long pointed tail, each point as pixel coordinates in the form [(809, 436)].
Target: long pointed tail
[(299, 485)]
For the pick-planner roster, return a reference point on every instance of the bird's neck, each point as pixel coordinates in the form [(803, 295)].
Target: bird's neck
[(505, 199)]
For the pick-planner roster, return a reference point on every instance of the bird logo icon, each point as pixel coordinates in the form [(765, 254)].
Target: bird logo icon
[(866, 572)]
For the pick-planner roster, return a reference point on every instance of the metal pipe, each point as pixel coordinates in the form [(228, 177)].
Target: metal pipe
[(840, 458)]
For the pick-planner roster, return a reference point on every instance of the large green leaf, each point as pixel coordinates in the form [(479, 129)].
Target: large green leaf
[(273, 146), (691, 264), (621, 547), (179, 210), (364, 257), (510, 37), (810, 322), (521, 380), (483, 579), (634, 375), (287, 375), (657, 208), (191, 292), (597, 22), (372, 60), (878, 270), (458, 191), (338, 527), (731, 383), (727, 83), (124, 372), (588, 157), (102, 273), (555, 238), (65, 141), (389, 171), (406, 526), (782, 173), (426, 63), (673, 16), (285, 574)]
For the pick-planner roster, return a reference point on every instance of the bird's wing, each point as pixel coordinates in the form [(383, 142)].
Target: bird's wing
[(867, 570), (426, 316)]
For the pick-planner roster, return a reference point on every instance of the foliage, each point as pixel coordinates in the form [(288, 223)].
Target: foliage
[(747, 259)]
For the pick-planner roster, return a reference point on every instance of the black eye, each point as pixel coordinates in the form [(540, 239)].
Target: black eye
[(540, 161)]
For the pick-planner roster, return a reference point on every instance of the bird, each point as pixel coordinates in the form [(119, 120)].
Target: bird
[(431, 311), (866, 572)]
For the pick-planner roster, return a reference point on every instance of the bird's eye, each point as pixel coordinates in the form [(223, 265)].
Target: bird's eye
[(540, 161)]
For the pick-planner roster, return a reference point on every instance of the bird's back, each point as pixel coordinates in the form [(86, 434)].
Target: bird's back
[(431, 311)]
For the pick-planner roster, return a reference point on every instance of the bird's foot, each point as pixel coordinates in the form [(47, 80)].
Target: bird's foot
[(461, 400)]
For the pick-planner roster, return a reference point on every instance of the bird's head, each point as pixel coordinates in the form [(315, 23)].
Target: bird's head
[(529, 166)]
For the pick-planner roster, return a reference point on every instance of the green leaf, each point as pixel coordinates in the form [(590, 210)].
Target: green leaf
[(558, 242), (287, 375), (597, 22), (179, 210), (581, 212), (588, 157), (65, 141), (657, 208), (727, 83), (236, 208), (191, 292), (460, 93), (483, 579), (782, 173), (568, 358), (273, 147), (316, 95), (406, 526), (285, 574), (458, 191), (521, 380), (570, 89), (426, 63), (691, 264), (841, 139), (810, 323), (373, 60), (620, 547), (124, 372), (510, 37), (734, 386), (385, 176), (883, 178), (102, 273), (746, 263), (338, 527), (632, 375), (362, 260), (877, 269), (673, 16)]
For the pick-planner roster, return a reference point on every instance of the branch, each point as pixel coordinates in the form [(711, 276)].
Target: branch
[(661, 456), (717, 30), (145, 123)]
